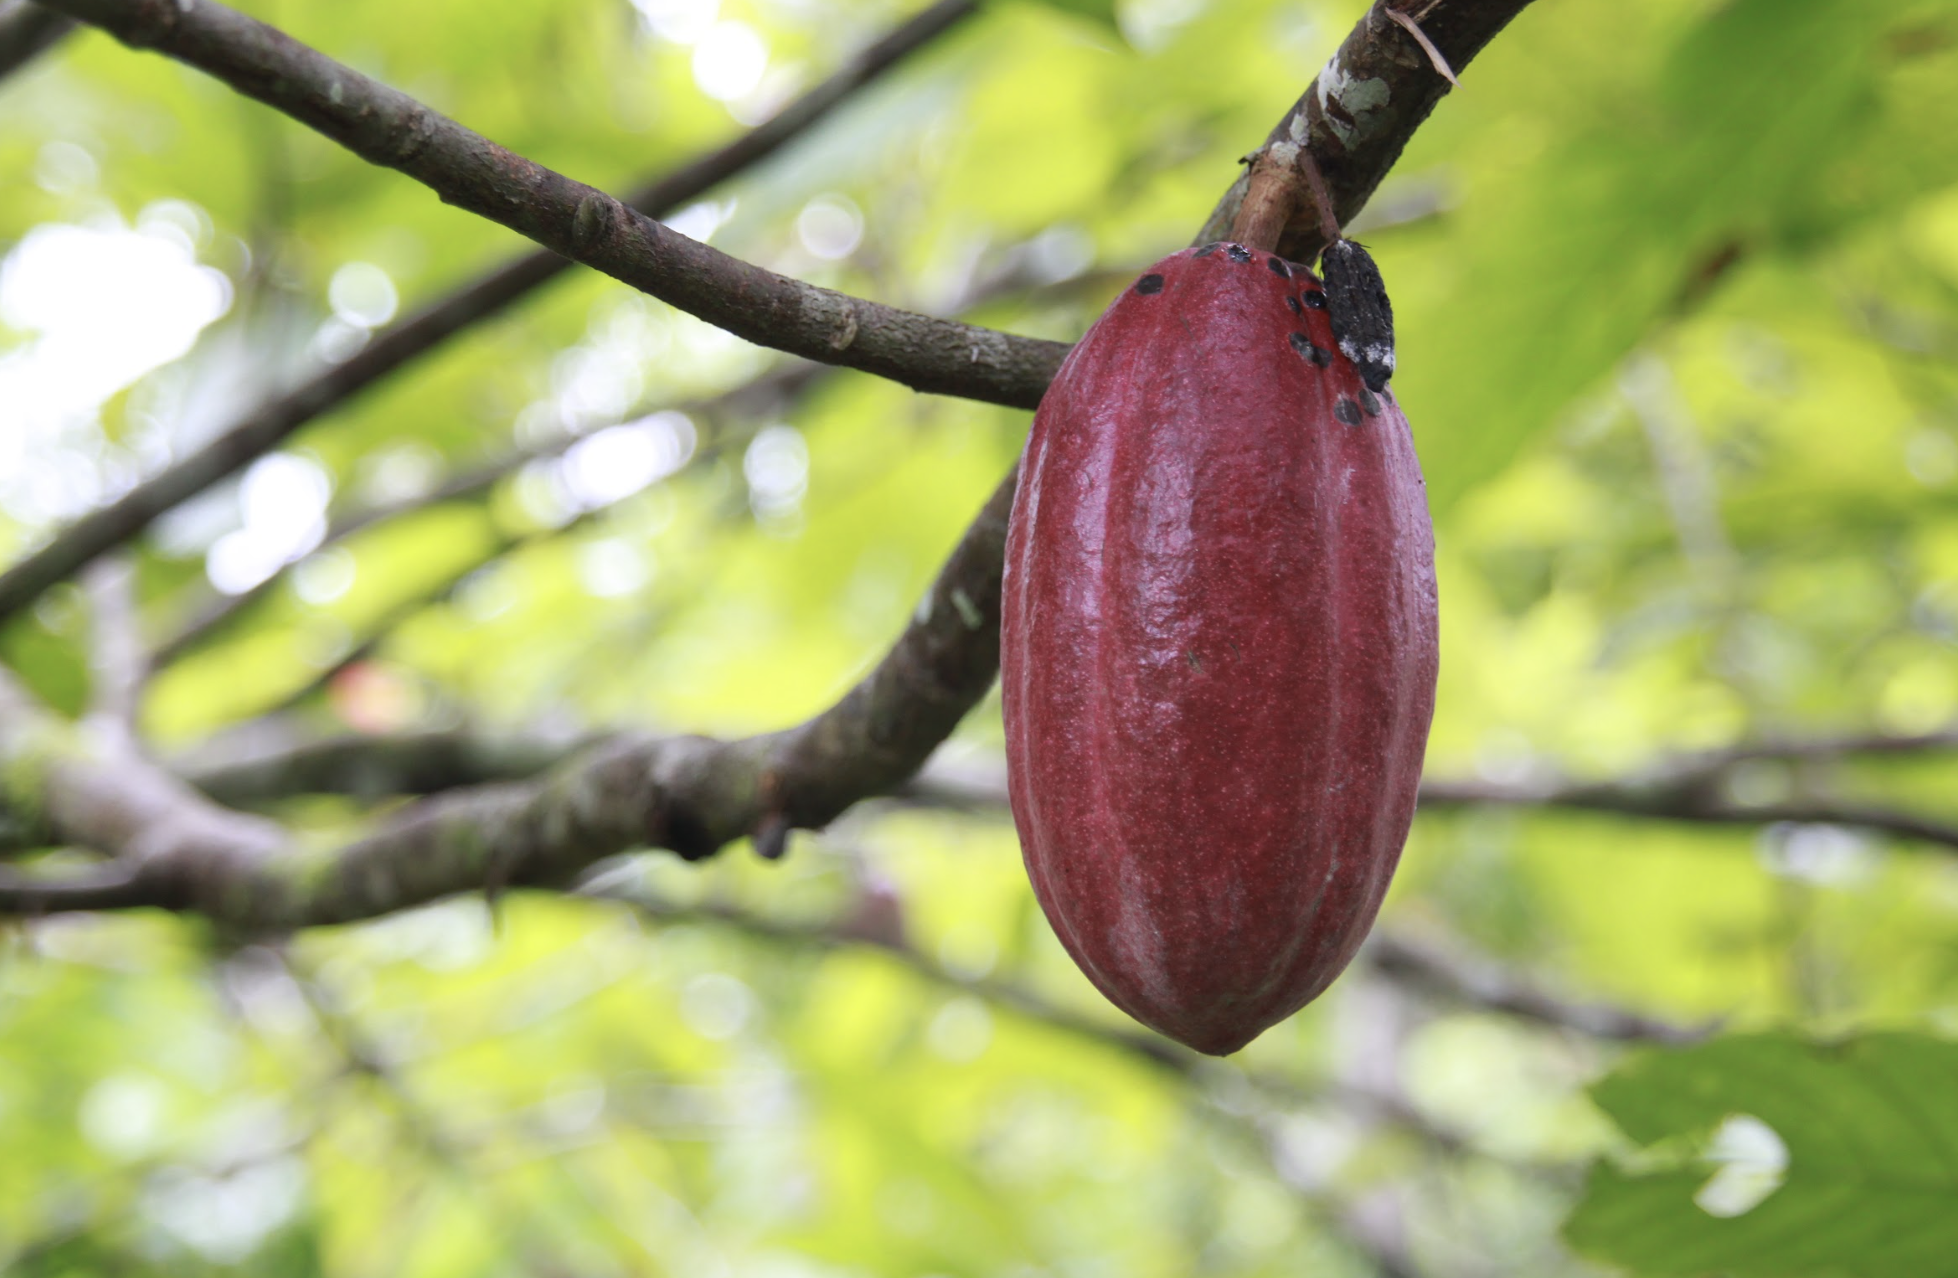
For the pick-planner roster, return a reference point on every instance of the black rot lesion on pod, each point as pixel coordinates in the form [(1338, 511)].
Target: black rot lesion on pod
[(1317, 355), (1150, 283)]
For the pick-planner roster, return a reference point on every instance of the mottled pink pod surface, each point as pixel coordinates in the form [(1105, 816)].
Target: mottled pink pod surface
[(1218, 650)]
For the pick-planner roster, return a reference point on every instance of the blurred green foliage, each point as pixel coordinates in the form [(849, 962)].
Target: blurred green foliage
[(1678, 292)]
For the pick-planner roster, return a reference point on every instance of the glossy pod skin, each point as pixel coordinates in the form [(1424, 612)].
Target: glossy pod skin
[(1218, 648)]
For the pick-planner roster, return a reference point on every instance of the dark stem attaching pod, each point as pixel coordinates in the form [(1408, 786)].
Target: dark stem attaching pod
[(1363, 318)]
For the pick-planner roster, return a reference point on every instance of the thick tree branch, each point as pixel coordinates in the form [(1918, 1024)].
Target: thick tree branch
[(1359, 112), (281, 763), (26, 32), (263, 427), (689, 794)]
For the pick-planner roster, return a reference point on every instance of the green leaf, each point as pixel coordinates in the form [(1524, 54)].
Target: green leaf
[(1870, 1126)]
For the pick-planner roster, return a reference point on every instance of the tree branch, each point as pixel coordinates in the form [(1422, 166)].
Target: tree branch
[(388, 128), (273, 758), (266, 425), (1358, 113), (1692, 803), (1465, 978), (689, 794), (281, 764), (26, 32)]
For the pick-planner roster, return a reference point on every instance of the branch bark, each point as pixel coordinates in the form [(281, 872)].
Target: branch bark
[(277, 764), (176, 849), (265, 426), (1360, 110), (388, 128)]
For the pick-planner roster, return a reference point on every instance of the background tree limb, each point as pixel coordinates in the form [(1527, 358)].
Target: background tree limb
[(689, 794)]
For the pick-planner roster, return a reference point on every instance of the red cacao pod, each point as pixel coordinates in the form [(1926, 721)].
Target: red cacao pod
[(1218, 650)]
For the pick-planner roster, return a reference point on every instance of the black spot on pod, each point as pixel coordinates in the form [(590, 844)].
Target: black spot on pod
[(1370, 402), (1316, 300), (1238, 253), (1279, 268), (1149, 284), (1317, 354), (1347, 411), (1208, 249), (1293, 302), (1363, 318)]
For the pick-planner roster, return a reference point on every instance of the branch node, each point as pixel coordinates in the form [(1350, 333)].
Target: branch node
[(593, 221), (1270, 199)]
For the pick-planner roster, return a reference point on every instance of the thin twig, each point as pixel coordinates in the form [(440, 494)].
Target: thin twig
[(113, 887), (276, 758), (775, 388), (387, 127), (1688, 791), (1692, 805), (1454, 973)]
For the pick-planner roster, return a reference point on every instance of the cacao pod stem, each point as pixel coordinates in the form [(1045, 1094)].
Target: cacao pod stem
[(1271, 196)]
